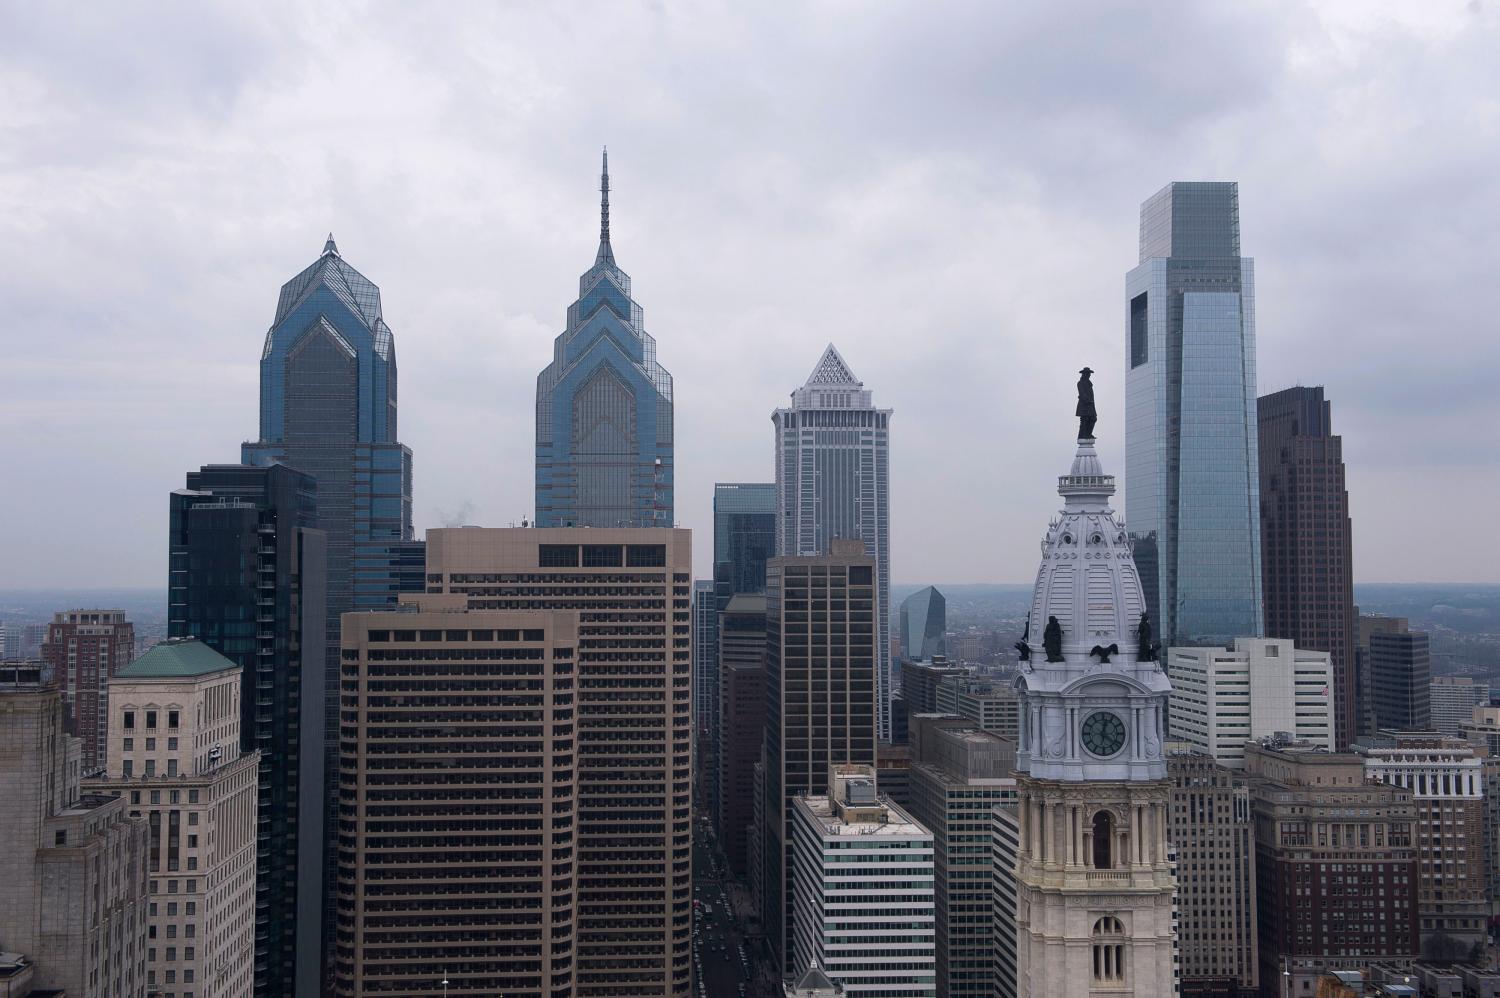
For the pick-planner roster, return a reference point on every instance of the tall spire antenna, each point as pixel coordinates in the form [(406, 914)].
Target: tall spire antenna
[(606, 253)]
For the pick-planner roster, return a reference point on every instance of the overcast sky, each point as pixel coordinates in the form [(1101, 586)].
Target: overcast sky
[(949, 193)]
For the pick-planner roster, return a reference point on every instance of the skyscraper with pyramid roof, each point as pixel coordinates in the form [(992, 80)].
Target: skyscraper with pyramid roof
[(604, 408), (833, 482)]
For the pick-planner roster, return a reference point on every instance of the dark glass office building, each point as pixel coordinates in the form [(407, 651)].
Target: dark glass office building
[(328, 408), (1192, 461), (1306, 538), (246, 576), (604, 408)]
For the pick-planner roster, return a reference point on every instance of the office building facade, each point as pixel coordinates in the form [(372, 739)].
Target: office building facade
[(83, 648), (705, 690), (247, 575), (1335, 864), (865, 890), (958, 777), (632, 590), (1306, 539), (73, 876), (604, 434), (821, 662), (1192, 457), (744, 537), (741, 725), (1446, 780), (833, 483), (1093, 872), (1223, 698), (1400, 670), (460, 805), (1005, 844), (1452, 700), (920, 682), (1212, 832), (993, 706), (175, 756)]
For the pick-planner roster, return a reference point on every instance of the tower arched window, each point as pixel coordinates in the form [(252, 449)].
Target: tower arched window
[(1103, 838), (1109, 949)]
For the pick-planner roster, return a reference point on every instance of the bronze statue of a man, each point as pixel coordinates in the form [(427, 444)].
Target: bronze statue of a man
[(1052, 640), (1087, 416)]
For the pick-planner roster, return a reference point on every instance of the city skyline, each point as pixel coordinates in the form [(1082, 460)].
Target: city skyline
[(923, 254)]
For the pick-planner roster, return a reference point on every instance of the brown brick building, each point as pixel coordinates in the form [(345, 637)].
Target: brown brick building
[(83, 648), (1335, 863)]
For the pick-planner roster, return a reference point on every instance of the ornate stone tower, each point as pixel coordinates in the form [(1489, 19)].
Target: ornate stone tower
[(1094, 887)]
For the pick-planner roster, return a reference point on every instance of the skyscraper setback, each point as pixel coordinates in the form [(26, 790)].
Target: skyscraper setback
[(1307, 563), (833, 483), (604, 408), (1191, 456)]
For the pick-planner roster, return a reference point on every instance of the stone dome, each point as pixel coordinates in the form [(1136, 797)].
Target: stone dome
[(1087, 578)]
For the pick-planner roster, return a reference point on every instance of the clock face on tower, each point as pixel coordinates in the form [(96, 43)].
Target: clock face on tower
[(1103, 733)]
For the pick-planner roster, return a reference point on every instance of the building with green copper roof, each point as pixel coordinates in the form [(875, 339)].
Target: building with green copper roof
[(177, 658)]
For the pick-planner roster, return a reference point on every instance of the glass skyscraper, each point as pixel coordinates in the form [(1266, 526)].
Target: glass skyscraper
[(1192, 460), (833, 483), (604, 408), (328, 408), (246, 578)]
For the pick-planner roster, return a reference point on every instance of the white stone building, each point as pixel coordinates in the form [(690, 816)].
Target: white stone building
[(174, 754), (1094, 895), (864, 890), (1225, 697)]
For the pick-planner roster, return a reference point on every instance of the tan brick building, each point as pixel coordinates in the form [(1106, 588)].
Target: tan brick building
[(174, 754)]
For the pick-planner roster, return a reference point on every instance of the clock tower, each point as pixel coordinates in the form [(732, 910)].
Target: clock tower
[(1094, 885)]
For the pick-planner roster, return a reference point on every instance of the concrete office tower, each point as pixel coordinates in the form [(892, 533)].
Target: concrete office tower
[(833, 483), (992, 706), (174, 753), (1212, 831), (1400, 674), (821, 640), (958, 777), (1335, 865), (72, 865), (1482, 731), (473, 713), (1005, 844), (83, 648), (1093, 870), (632, 589), (920, 682), (923, 627), (247, 576), (1306, 539), (1446, 780), (604, 408), (864, 889), (742, 713), (1223, 698), (1191, 455), (1452, 701)]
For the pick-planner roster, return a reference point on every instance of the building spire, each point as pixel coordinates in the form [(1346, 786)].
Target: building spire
[(606, 254), (330, 246)]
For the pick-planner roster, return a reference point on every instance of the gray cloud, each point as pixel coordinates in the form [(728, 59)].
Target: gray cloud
[(950, 193)]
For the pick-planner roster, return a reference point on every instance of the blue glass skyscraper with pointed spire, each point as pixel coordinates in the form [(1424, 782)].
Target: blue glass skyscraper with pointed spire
[(604, 408)]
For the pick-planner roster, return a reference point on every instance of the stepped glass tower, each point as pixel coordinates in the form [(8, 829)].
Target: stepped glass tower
[(604, 408), (1092, 871)]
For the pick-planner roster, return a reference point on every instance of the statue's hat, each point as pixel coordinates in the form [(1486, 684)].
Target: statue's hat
[(1087, 370)]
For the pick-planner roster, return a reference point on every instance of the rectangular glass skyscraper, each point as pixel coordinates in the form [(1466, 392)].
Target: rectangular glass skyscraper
[(1192, 462)]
